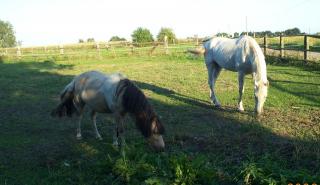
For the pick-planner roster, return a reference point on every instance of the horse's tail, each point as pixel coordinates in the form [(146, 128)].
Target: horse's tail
[(197, 51), (66, 106)]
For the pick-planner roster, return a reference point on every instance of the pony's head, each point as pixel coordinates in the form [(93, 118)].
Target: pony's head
[(260, 95), (157, 130), (147, 121)]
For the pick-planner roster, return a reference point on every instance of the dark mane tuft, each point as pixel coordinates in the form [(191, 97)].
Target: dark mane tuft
[(136, 103)]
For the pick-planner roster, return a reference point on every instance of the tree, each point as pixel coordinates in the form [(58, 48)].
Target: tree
[(7, 37), (223, 35), (293, 31), (90, 40), (236, 34), (116, 38), (166, 32), (81, 41), (141, 35)]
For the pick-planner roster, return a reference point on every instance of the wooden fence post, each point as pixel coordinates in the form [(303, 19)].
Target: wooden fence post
[(197, 40), (131, 49), (18, 52), (166, 44), (61, 49), (98, 49), (306, 48), (265, 44), (281, 46)]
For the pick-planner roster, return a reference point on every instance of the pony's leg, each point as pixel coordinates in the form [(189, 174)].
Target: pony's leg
[(79, 107), (241, 90), (213, 73), (79, 136), (94, 121), (119, 131)]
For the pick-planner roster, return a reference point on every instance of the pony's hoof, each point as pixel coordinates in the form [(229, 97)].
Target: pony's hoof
[(116, 144), (99, 138), (218, 106), (79, 136)]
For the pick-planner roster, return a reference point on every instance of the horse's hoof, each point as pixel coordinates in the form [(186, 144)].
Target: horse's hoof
[(116, 144), (241, 110), (79, 137), (99, 138), (218, 106)]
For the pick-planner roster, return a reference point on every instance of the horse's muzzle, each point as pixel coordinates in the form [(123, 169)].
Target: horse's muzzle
[(157, 143)]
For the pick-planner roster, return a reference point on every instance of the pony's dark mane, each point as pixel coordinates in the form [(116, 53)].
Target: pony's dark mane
[(136, 103)]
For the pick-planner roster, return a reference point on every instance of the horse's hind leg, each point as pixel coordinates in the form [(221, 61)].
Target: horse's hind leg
[(94, 122), (213, 73), (241, 90), (79, 136)]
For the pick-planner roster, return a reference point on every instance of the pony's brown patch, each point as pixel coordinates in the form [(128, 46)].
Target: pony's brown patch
[(136, 103)]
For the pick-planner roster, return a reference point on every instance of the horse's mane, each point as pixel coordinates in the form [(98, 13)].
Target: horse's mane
[(136, 103)]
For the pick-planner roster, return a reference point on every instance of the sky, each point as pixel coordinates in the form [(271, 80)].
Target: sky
[(44, 22)]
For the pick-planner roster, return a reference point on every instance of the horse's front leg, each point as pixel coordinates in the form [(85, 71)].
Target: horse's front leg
[(80, 113), (241, 90), (213, 73), (94, 122), (119, 131)]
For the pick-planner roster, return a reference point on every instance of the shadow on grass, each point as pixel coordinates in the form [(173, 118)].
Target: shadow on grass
[(34, 145)]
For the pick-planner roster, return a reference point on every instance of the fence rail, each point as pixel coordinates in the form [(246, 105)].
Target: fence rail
[(309, 45), (279, 43)]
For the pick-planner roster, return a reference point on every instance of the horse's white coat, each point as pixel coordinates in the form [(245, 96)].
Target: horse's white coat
[(242, 55)]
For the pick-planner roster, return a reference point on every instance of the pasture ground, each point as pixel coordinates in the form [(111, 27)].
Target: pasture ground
[(204, 145)]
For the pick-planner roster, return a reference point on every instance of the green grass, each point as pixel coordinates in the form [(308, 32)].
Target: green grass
[(203, 145)]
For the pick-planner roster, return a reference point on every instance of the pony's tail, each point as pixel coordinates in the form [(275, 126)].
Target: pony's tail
[(66, 106)]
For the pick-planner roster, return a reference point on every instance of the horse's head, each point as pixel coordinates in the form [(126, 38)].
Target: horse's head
[(156, 139), (260, 94)]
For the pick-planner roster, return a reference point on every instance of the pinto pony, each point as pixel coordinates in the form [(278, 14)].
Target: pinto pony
[(242, 55), (114, 94)]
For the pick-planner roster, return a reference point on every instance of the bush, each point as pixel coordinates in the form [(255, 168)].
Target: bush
[(116, 38)]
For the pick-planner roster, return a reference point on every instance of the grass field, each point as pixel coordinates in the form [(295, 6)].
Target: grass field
[(203, 145)]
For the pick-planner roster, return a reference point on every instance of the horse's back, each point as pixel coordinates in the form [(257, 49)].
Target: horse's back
[(231, 54), (97, 89)]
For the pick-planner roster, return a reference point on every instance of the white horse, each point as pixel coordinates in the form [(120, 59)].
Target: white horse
[(242, 55), (113, 94)]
